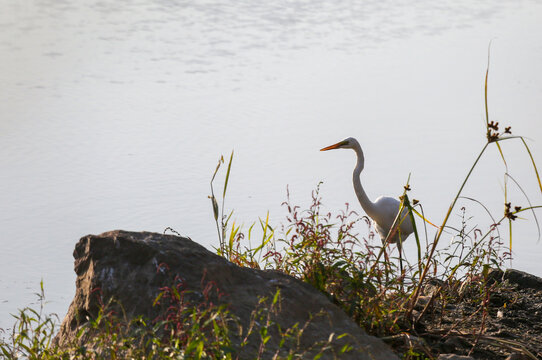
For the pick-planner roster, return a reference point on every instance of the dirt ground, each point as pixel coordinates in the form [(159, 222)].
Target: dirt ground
[(509, 327)]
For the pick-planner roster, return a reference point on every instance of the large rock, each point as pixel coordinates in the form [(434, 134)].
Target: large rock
[(131, 267)]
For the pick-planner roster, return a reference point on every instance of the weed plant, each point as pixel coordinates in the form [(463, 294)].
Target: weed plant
[(32, 333), (185, 329), (362, 277)]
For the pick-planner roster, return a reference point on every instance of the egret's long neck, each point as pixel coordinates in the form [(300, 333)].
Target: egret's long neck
[(367, 205)]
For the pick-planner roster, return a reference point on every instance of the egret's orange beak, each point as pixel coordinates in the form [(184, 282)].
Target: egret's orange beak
[(335, 146)]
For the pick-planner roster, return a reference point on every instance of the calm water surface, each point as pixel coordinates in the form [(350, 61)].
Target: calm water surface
[(115, 113)]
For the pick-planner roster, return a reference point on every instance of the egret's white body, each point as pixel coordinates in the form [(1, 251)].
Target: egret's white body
[(384, 210)]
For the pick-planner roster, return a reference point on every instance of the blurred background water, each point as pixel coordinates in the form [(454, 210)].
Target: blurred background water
[(114, 114)]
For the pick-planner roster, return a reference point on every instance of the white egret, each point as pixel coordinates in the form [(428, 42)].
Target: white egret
[(384, 210)]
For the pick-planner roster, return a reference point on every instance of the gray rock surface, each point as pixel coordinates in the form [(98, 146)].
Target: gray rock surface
[(523, 279), (131, 267)]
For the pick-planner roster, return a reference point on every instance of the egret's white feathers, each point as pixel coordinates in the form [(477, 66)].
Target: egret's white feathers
[(384, 210)]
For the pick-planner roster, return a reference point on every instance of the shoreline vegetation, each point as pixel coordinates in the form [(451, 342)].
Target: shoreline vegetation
[(451, 299)]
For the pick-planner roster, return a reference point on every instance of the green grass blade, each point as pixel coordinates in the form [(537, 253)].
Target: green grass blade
[(157, 300), (276, 297), (227, 175), (502, 155), (415, 230), (233, 233), (534, 164), (416, 212), (485, 90), (5, 351), (265, 241), (265, 227)]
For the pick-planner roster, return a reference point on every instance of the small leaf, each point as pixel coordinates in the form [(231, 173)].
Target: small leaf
[(158, 298), (199, 350), (276, 297), (346, 348)]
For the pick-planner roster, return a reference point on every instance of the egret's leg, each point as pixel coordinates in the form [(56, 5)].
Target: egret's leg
[(400, 248)]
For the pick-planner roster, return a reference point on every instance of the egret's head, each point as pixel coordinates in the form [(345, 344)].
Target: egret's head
[(345, 144)]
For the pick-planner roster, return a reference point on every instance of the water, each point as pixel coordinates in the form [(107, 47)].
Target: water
[(114, 115)]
